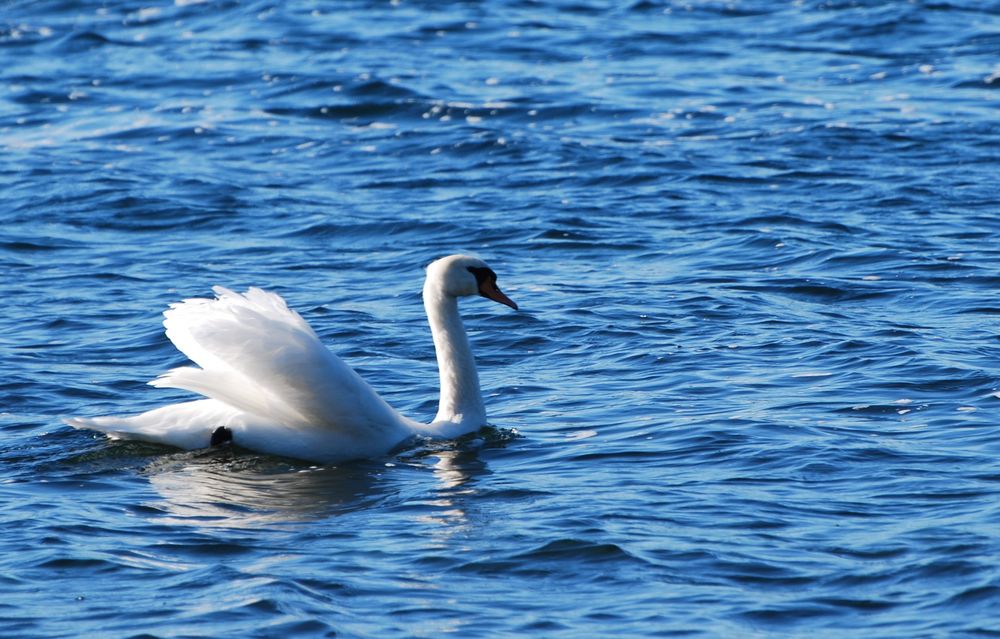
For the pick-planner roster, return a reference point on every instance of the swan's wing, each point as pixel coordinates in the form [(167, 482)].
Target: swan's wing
[(261, 357)]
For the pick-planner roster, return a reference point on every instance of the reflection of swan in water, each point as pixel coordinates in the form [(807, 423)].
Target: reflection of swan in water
[(455, 471), (217, 489), (224, 488), (451, 514)]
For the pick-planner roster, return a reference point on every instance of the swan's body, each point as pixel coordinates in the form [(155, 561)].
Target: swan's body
[(273, 387)]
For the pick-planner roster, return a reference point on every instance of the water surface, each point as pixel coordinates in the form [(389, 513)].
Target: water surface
[(752, 390)]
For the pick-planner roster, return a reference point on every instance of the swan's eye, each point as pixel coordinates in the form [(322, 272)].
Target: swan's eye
[(483, 274)]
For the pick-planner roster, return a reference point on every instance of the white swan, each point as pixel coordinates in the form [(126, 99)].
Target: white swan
[(273, 387)]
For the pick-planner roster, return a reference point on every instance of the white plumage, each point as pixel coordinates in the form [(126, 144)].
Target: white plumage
[(277, 389)]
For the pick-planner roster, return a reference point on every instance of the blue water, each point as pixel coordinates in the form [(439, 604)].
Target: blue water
[(753, 390)]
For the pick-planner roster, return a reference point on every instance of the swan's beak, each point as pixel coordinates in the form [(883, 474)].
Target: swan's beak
[(490, 290)]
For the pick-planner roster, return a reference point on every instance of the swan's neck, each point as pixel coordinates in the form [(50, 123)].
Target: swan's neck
[(461, 402)]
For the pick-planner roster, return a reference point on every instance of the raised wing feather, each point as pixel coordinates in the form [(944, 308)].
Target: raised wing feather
[(259, 356)]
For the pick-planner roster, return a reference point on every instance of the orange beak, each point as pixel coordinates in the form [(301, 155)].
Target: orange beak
[(489, 289)]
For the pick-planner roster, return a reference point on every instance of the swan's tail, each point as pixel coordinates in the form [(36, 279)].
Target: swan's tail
[(189, 425)]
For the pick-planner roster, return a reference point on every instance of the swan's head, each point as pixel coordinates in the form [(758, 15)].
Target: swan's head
[(463, 275)]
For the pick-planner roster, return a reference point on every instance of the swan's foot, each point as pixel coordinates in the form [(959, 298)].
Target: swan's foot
[(221, 435)]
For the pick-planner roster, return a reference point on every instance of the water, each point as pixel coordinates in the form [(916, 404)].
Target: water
[(752, 390)]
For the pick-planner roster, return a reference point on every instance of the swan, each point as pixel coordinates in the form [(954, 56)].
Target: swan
[(271, 386)]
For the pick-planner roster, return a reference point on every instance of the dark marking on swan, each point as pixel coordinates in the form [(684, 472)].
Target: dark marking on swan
[(222, 435), (484, 274)]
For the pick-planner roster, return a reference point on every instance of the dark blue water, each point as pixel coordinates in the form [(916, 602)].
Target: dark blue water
[(753, 390)]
